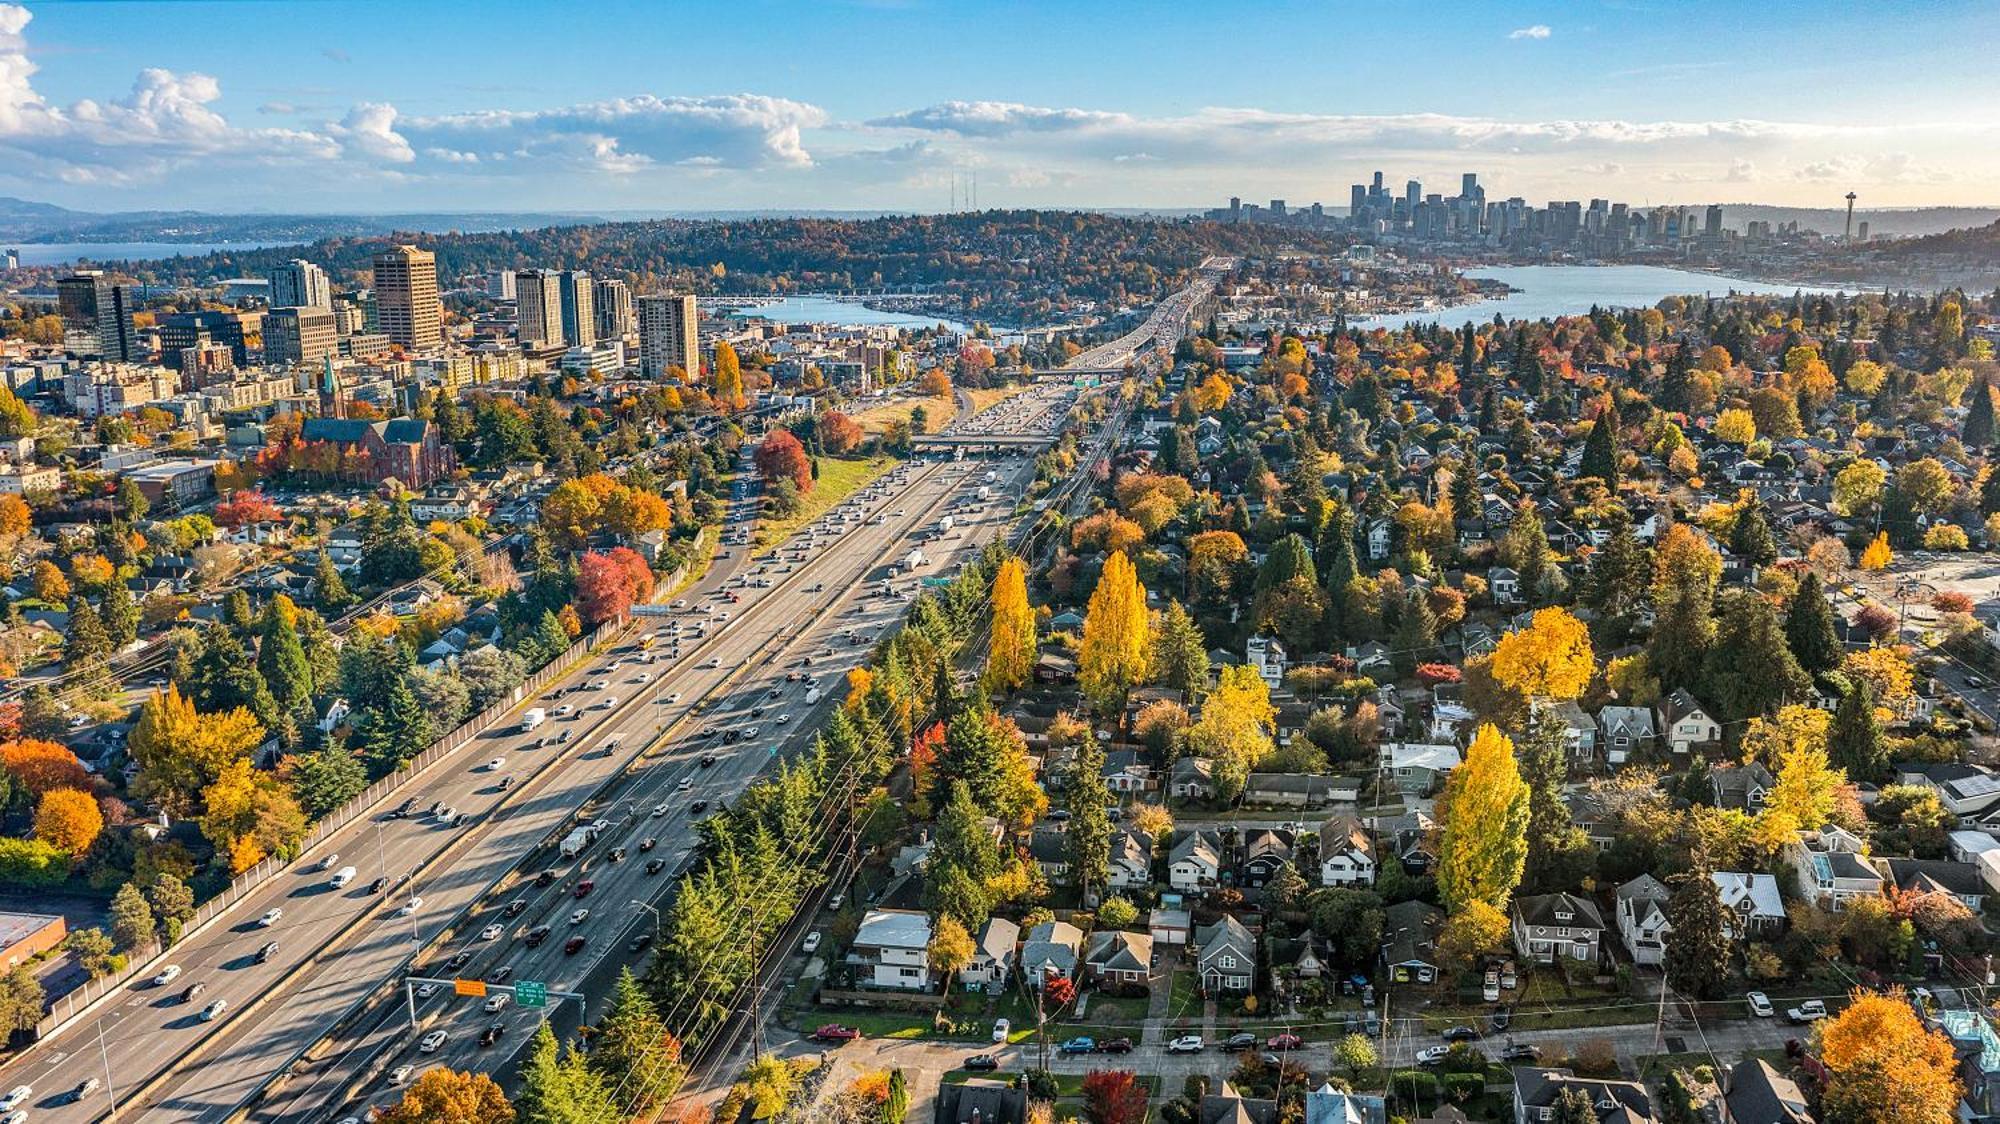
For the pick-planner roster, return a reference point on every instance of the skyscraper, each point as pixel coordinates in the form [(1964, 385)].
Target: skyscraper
[(612, 300), (538, 305), (301, 335), (300, 284), (406, 297), (579, 323), (668, 335), (98, 314)]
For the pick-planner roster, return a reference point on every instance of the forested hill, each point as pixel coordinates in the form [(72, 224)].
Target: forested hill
[(1013, 267), (1979, 245)]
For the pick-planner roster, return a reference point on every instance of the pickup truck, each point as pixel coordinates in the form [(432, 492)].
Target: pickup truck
[(1810, 1011), (834, 1032)]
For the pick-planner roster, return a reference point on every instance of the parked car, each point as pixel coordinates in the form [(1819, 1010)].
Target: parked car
[(1242, 1041), (982, 1063), (1116, 1046), (1185, 1044), (1521, 1052), (1284, 1042), (1760, 1004), (1080, 1045), (1433, 1055), (1810, 1011), (1461, 1034), (1001, 1027), (834, 1032)]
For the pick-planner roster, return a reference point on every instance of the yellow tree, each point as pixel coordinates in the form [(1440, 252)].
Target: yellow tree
[(1804, 794), (1551, 658), (1235, 727), (951, 948), (69, 820), (448, 1096), (1736, 427), (1486, 825), (1878, 555), (726, 380), (1885, 1064), (1887, 670), (181, 751), (1012, 656), (1117, 637)]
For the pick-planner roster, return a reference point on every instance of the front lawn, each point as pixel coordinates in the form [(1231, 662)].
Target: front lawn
[(838, 479)]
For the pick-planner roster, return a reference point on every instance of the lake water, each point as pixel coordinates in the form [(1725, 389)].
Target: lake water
[(63, 253), (1547, 291), (826, 310)]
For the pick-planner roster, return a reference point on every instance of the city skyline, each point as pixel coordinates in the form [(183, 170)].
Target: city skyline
[(890, 105)]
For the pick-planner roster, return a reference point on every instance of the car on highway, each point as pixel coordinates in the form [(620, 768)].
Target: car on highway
[(1185, 1044), (16, 1096), (492, 1034), (686, 783), (410, 907), (433, 1042), (617, 855), (495, 1002), (401, 1074), (271, 917), (515, 908), (982, 1063), (655, 866), (535, 936), (167, 975), (495, 765), (458, 960), (583, 889), (639, 942), (426, 990), (579, 917), (566, 710), (446, 813), (265, 954), (812, 945), (492, 932), (500, 975), (661, 809), (214, 1010), (1081, 1044)]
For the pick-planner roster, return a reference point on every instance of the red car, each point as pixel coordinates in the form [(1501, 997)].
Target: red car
[(834, 1032), (573, 946), (1284, 1042), (584, 888)]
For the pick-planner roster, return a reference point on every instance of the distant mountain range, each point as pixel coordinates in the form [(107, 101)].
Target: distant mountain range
[(26, 221)]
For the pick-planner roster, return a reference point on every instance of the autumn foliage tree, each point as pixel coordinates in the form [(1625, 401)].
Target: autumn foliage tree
[(1012, 655), (448, 1096), (726, 378), (1486, 825), (69, 820), (1883, 1063), (1117, 640), (838, 432), (608, 583), (1113, 1096), (781, 457), (1551, 658), (42, 766), (243, 508), (1878, 555)]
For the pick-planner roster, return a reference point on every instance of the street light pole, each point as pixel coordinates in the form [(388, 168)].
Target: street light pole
[(637, 904)]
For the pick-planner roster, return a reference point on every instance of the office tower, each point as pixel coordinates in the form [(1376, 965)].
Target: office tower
[(579, 323), (406, 297), (13, 259), (182, 331), (1357, 201), (500, 285), (1713, 225), (1378, 184), (613, 301), (668, 335), (1278, 207), (300, 284), (100, 314), (1413, 194), (1235, 209), (1468, 185), (538, 304), (302, 335)]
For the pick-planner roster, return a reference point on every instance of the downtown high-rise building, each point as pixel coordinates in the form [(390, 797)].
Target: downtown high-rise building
[(612, 301), (407, 309), (300, 284), (301, 335), (669, 335), (579, 322), (538, 318), (97, 316)]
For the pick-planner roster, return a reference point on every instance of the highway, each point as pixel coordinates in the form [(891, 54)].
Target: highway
[(1164, 326), (156, 1052)]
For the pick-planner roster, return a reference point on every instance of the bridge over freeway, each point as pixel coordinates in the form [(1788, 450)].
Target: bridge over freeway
[(980, 442)]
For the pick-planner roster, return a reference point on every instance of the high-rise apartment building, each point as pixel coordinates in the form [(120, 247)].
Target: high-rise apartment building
[(500, 285), (612, 300), (98, 316), (406, 297), (302, 335), (300, 284), (579, 322), (668, 335), (538, 314)]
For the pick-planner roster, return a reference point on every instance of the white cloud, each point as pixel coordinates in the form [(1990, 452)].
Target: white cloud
[(1535, 31), (624, 134)]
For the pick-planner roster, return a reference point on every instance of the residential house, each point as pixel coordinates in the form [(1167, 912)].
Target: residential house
[(1977, 1048), (1119, 960), (1232, 1107), (993, 955), (1051, 949), (1579, 733), (1616, 1102), (980, 1102), (1624, 731), (1195, 863), (1831, 868), (1327, 1105), (1641, 917), (1265, 850), (1291, 790), (1409, 941), (1548, 927), (1346, 853), (1131, 859), (1686, 724), (1759, 1094), (1503, 583), (1192, 779), (1754, 907), (1225, 957), (1937, 876), (891, 949), (1125, 771), (1050, 850), (1415, 767), (1968, 792), (1268, 656), (1742, 788), (1381, 539)]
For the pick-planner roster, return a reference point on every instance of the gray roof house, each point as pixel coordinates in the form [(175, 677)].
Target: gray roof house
[(1551, 926), (993, 954), (1759, 1094), (1409, 941), (1120, 959), (1225, 957), (1050, 948), (1642, 919)]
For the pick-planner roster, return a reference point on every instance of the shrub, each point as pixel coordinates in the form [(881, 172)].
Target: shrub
[(1462, 1087)]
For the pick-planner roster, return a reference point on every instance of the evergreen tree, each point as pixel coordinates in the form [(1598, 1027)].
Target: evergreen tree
[(326, 778), (1180, 652), (1600, 449), (560, 1088), (330, 593), (1697, 953), (281, 659), (1750, 538), (120, 613), (1854, 742), (236, 612), (1088, 839), (225, 678), (1527, 545), (1415, 640), (1749, 670), (131, 919), (1809, 630), (1978, 430), (85, 647), (633, 1052), (397, 729)]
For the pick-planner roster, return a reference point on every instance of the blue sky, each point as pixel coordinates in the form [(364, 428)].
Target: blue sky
[(883, 103)]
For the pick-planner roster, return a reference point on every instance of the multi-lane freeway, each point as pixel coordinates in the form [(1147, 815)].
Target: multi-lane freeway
[(642, 728)]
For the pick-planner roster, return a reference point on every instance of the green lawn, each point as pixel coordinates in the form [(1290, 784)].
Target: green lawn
[(1185, 1000), (838, 479)]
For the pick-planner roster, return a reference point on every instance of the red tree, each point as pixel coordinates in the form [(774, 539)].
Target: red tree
[(780, 455), (1113, 1096), (246, 507), (1877, 622), (603, 588), (638, 575), (1433, 674), (1952, 601), (838, 432)]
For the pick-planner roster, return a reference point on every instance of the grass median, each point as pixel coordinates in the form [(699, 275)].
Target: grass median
[(838, 479)]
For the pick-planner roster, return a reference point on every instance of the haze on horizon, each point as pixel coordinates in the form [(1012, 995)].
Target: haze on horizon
[(884, 104)]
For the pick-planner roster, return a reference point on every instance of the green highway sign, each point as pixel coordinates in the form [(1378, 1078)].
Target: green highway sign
[(531, 993)]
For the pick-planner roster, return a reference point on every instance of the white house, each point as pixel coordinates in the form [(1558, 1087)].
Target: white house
[(1195, 865), (1346, 853), (993, 953), (1831, 869), (1414, 766), (892, 950), (1642, 920), (1752, 902), (1131, 859), (1268, 656), (1686, 722)]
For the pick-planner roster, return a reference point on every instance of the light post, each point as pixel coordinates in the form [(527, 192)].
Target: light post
[(637, 904)]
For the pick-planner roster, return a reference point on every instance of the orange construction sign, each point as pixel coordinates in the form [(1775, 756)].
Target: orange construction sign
[(469, 987)]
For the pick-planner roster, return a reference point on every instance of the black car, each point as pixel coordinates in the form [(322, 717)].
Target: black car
[(982, 1063), (617, 854), (639, 942), (515, 907), (756, 712), (458, 960), (655, 866), (545, 878), (698, 807), (1461, 1034), (378, 885), (536, 936), (1242, 1041), (499, 975), (707, 759), (1117, 1046), (192, 990), (492, 1034), (400, 810), (1521, 1052)]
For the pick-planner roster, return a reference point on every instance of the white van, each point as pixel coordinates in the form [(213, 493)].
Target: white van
[(812, 696), (341, 877)]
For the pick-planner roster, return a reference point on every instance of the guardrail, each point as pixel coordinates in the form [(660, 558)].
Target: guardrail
[(68, 1008)]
